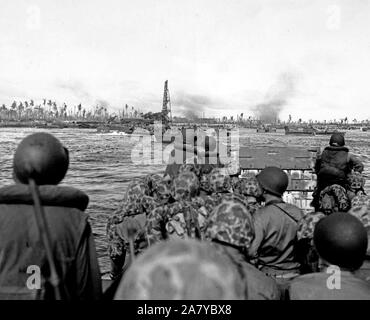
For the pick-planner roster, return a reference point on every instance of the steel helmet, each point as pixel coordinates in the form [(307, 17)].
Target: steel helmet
[(273, 180), (42, 157), (337, 140), (341, 239), (181, 270)]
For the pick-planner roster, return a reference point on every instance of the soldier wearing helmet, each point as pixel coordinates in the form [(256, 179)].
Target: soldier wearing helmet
[(181, 270), (334, 165), (334, 199), (142, 196), (356, 184), (185, 218), (230, 228), (341, 242), (44, 159), (195, 148), (361, 210), (249, 188), (276, 225)]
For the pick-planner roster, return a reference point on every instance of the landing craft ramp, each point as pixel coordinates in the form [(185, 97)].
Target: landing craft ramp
[(297, 161)]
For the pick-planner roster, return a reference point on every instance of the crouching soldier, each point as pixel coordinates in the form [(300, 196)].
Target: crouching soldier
[(230, 228), (184, 218), (341, 242), (334, 165), (42, 158), (276, 225), (142, 196)]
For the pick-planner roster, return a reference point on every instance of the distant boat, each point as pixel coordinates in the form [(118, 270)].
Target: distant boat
[(365, 128), (266, 129), (300, 130), (329, 132)]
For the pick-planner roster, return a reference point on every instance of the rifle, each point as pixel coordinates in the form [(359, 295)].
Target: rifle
[(45, 237)]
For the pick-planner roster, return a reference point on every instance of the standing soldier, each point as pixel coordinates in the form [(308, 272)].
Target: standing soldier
[(249, 188), (182, 219), (42, 157), (341, 242), (276, 225), (230, 228), (142, 196)]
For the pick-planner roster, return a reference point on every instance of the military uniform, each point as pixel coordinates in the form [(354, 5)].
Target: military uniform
[(361, 210), (231, 230), (305, 249), (333, 199), (249, 188), (185, 218), (314, 286), (273, 249), (356, 184), (142, 196)]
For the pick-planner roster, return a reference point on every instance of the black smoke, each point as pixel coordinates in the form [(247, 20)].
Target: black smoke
[(276, 98), (191, 106)]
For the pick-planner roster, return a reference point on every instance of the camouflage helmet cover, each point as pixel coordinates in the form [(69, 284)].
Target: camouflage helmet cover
[(356, 181), (231, 222), (185, 186), (136, 190), (181, 270), (334, 198), (249, 186), (219, 180)]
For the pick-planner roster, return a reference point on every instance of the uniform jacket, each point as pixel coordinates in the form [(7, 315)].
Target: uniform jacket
[(335, 163), (314, 287), (258, 286), (273, 248), (71, 241)]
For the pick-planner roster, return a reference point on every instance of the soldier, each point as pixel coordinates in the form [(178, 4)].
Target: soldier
[(276, 225), (142, 196), (194, 154), (43, 158), (341, 242), (249, 187), (361, 210), (305, 249), (356, 184), (334, 199), (181, 270), (333, 166), (181, 219), (230, 228)]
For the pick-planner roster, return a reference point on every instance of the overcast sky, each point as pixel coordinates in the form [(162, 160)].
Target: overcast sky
[(221, 57)]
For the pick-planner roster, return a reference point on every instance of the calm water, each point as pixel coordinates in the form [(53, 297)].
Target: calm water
[(101, 165)]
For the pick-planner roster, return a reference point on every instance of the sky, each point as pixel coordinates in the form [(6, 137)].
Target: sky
[(221, 57)]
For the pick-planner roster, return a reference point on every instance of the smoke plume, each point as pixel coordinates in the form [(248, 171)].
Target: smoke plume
[(191, 106), (276, 98)]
